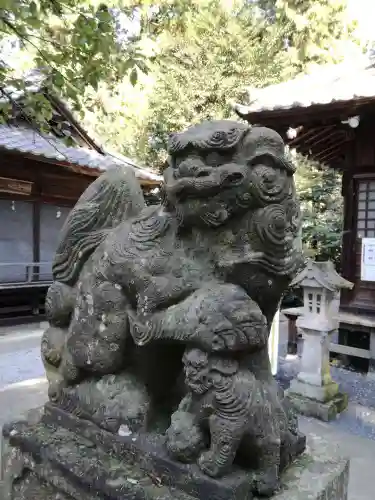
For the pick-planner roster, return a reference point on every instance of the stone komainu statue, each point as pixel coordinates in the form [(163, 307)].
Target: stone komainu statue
[(203, 273)]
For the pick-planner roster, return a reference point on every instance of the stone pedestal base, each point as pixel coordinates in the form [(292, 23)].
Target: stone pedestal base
[(65, 458), (323, 402), (325, 411)]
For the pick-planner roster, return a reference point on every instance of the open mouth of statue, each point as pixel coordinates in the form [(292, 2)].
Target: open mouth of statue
[(206, 185)]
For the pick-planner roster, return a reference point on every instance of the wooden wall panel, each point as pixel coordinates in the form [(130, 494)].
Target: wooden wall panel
[(68, 187), (51, 182), (365, 144)]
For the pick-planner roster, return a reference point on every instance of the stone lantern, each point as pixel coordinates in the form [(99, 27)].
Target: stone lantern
[(313, 392)]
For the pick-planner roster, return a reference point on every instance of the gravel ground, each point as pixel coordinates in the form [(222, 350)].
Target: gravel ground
[(21, 365), (20, 356), (359, 418)]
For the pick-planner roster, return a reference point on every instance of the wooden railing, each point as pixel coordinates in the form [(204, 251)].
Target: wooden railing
[(25, 273)]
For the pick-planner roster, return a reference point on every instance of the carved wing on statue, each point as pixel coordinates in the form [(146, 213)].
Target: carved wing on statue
[(111, 199)]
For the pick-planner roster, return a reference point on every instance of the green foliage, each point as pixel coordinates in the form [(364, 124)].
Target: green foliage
[(207, 54), (319, 189), (315, 31), (75, 44)]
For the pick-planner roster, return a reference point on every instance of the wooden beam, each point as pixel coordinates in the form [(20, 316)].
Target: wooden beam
[(349, 351), (316, 113), (328, 159), (15, 186), (328, 150), (150, 183), (322, 133), (337, 153), (325, 144), (333, 135), (297, 139)]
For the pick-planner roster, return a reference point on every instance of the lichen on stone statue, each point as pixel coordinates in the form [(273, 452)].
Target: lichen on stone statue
[(164, 312)]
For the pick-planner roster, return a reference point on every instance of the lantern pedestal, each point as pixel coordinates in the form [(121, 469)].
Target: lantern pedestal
[(313, 392), (323, 411)]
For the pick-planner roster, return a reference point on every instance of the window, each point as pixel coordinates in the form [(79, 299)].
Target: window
[(366, 209), (318, 303), (310, 302), (314, 301)]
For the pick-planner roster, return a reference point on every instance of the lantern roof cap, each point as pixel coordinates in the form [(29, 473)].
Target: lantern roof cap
[(324, 274)]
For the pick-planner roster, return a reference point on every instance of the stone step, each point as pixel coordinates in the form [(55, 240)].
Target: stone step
[(149, 451), (73, 467), (67, 458)]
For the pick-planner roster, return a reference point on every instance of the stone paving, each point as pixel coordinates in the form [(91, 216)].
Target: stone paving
[(360, 450), (359, 418), (20, 354)]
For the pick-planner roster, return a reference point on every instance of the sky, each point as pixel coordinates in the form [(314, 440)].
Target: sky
[(364, 12)]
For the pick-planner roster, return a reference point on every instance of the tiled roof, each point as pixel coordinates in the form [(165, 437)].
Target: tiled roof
[(28, 141), (351, 80)]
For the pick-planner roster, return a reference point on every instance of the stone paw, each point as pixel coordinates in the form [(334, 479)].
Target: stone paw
[(184, 439), (208, 464), (55, 391), (182, 452), (266, 486)]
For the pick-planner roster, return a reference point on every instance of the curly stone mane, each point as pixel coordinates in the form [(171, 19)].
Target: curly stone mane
[(208, 136), (109, 200)]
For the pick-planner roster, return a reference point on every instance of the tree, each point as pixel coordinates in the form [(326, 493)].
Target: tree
[(203, 63), (315, 31), (116, 117), (319, 189), (208, 52), (74, 44)]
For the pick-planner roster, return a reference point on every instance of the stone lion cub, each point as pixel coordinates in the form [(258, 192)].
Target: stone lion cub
[(241, 417)]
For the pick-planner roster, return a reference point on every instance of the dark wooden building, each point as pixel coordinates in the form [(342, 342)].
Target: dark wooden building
[(41, 178), (329, 115)]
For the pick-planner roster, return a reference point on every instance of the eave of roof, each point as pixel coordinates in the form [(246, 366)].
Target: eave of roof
[(46, 147), (334, 86), (35, 83)]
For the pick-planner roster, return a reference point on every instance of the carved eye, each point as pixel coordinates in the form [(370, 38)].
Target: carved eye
[(217, 343), (270, 176), (203, 173), (213, 159)]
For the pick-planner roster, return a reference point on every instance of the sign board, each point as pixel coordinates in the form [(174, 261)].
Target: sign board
[(368, 259), (14, 186), (273, 342)]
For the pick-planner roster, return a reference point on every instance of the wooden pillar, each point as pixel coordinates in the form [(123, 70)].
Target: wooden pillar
[(348, 247), (292, 336), (349, 227), (292, 333), (36, 234), (36, 254)]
